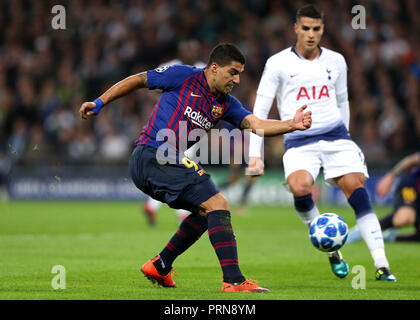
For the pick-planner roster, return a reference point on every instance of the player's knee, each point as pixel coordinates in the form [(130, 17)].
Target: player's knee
[(300, 189), (350, 183), (357, 183), (217, 202), (300, 183), (404, 216)]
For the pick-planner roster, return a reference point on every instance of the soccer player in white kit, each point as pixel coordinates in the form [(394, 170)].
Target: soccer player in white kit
[(309, 74)]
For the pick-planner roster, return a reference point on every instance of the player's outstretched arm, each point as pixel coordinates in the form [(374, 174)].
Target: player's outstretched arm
[(384, 185), (268, 128), (118, 90)]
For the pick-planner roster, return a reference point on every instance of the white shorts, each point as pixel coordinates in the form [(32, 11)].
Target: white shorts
[(337, 158)]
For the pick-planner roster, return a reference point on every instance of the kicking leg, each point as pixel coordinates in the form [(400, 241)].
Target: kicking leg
[(354, 189), (159, 269), (300, 183), (222, 238)]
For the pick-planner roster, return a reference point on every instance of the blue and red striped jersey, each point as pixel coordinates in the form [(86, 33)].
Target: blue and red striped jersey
[(186, 104), (414, 176)]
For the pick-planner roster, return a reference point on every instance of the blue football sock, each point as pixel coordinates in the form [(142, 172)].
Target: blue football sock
[(306, 208), (224, 243), (189, 231)]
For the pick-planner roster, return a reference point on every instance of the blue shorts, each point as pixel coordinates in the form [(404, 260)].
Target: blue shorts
[(183, 185)]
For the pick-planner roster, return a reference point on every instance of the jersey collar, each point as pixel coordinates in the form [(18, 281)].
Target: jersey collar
[(293, 49)]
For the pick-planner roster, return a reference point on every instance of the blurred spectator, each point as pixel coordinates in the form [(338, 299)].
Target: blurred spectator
[(46, 73)]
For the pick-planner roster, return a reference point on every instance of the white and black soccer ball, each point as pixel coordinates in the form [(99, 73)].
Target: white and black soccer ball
[(328, 232)]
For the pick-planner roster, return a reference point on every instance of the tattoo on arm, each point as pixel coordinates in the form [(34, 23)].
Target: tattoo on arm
[(245, 124), (143, 79)]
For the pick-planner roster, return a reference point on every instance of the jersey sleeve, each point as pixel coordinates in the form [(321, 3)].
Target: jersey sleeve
[(341, 83), (341, 92), (235, 112), (270, 80), (167, 77), (262, 108)]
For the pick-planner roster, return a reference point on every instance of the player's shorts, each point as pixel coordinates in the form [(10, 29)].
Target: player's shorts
[(183, 185), (337, 158), (406, 195)]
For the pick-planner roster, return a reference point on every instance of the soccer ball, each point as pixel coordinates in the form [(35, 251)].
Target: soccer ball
[(328, 232)]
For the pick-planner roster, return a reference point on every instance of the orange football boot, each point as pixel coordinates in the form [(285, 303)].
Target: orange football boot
[(248, 285), (150, 272)]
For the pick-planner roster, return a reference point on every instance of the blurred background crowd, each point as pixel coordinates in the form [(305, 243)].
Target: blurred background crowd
[(46, 74)]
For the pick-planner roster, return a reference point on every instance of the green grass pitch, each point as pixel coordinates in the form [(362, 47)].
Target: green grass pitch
[(103, 244)]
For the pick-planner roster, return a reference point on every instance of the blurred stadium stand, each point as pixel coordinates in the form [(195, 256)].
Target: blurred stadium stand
[(46, 74)]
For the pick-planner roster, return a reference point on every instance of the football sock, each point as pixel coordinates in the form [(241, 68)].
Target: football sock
[(306, 208), (182, 214), (415, 237), (153, 204), (245, 192), (224, 185), (369, 226), (189, 231), (386, 222), (224, 243)]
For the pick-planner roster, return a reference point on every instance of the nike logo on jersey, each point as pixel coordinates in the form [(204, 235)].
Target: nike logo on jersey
[(195, 95), (293, 75)]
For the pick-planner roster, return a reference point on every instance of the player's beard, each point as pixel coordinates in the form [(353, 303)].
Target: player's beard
[(228, 88)]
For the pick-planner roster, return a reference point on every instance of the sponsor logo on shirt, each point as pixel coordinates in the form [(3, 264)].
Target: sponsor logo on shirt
[(313, 93), (198, 118)]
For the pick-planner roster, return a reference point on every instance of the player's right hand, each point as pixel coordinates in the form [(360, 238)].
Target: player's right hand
[(384, 185), (301, 120), (255, 167), (86, 110)]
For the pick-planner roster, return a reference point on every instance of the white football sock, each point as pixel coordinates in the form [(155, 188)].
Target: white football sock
[(182, 214), (153, 204), (371, 232), (308, 216)]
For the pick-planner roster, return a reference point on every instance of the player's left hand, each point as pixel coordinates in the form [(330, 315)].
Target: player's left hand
[(301, 120), (255, 167), (86, 110)]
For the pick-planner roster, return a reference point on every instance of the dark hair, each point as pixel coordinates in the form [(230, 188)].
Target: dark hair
[(310, 11), (224, 53)]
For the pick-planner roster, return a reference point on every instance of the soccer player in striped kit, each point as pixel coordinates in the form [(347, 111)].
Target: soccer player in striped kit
[(192, 98), (314, 75)]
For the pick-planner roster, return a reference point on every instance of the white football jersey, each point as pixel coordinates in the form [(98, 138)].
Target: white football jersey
[(296, 81)]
